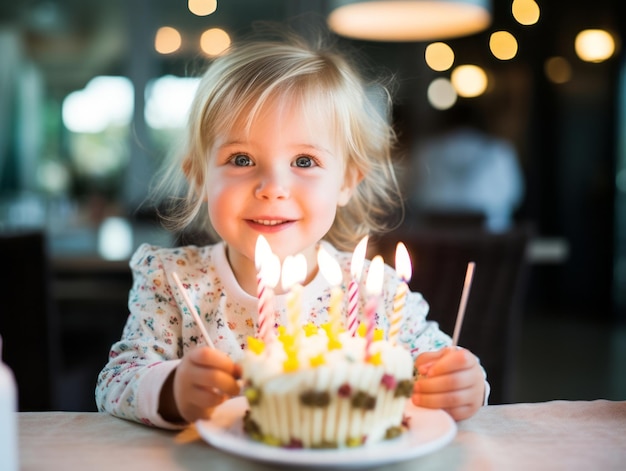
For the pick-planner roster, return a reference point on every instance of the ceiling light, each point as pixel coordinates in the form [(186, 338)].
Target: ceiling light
[(408, 20)]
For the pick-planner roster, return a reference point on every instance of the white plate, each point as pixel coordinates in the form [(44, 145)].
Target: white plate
[(429, 430)]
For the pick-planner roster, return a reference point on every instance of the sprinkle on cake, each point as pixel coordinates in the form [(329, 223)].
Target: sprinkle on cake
[(319, 387)]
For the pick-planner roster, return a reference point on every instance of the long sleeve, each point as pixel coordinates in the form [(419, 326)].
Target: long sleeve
[(129, 384), (157, 333), (159, 330)]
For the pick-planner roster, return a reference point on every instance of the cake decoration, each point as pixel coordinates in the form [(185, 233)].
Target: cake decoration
[(326, 386)]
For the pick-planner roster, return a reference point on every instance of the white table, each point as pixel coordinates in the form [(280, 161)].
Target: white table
[(567, 435)]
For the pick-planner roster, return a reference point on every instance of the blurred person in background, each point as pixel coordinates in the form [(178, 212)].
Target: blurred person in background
[(465, 170)]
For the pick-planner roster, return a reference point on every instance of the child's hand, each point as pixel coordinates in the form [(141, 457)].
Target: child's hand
[(450, 379), (203, 380)]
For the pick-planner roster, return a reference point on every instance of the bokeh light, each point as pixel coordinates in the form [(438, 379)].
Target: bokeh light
[(214, 41), (594, 45), (469, 81), (558, 69), (503, 45), (526, 12), (439, 56), (167, 40), (441, 94), (202, 7)]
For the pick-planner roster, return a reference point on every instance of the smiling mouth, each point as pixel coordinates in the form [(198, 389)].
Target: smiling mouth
[(268, 222)]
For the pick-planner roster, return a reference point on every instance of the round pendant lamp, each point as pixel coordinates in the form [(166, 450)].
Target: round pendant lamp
[(408, 20)]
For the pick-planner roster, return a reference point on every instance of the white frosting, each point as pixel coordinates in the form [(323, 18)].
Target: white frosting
[(283, 417), (259, 369)]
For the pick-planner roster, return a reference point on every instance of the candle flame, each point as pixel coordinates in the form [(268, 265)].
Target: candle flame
[(262, 251), (374, 283), (266, 262), (403, 262), (358, 257), (329, 267), (294, 270), (270, 270)]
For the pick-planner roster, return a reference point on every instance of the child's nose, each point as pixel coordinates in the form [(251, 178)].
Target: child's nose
[(272, 185)]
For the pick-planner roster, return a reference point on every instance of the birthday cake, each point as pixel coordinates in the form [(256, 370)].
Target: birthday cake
[(317, 388)]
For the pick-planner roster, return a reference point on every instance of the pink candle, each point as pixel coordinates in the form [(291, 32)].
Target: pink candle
[(370, 316), (373, 287), (403, 268), (356, 266), (268, 272)]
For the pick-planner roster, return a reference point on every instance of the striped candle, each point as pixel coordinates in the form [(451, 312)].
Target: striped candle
[(266, 281), (373, 287), (403, 268), (356, 268), (268, 272), (370, 316), (398, 311)]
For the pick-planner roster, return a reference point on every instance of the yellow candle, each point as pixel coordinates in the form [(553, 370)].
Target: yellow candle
[(332, 272), (403, 267), (292, 275), (294, 300), (398, 312), (334, 309)]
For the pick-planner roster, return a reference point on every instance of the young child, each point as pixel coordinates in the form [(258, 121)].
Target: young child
[(286, 141)]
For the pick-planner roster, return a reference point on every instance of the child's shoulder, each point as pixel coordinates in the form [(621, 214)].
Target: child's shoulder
[(148, 254)]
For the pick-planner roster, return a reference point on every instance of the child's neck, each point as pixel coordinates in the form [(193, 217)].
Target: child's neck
[(245, 274)]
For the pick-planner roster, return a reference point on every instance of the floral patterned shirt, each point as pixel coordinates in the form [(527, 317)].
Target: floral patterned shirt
[(159, 329)]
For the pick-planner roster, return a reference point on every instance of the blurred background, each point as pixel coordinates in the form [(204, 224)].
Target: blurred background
[(532, 97)]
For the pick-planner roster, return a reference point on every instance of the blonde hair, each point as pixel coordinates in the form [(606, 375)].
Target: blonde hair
[(237, 85)]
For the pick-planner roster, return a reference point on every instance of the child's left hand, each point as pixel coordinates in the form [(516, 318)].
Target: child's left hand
[(450, 379)]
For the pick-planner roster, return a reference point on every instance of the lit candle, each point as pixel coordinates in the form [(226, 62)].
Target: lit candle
[(332, 272), (356, 267), (373, 288), (403, 268), (268, 272), (292, 275)]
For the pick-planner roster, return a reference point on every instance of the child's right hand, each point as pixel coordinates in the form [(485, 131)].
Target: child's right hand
[(204, 379)]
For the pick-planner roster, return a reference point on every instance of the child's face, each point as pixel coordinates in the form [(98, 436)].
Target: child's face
[(283, 179)]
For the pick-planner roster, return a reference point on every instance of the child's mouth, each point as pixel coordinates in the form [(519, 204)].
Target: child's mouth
[(269, 222)]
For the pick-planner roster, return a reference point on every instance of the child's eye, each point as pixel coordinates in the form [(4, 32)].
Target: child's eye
[(304, 161), (241, 160)]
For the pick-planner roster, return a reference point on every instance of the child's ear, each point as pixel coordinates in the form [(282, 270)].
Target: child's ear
[(187, 170), (352, 178)]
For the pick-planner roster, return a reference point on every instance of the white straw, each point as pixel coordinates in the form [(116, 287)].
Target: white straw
[(469, 275), (192, 310)]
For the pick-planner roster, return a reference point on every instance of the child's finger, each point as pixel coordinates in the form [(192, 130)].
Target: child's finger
[(211, 358), (217, 380), (450, 361), (445, 383), (425, 360)]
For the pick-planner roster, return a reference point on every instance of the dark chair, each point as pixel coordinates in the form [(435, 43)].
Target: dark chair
[(491, 327), (28, 323)]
